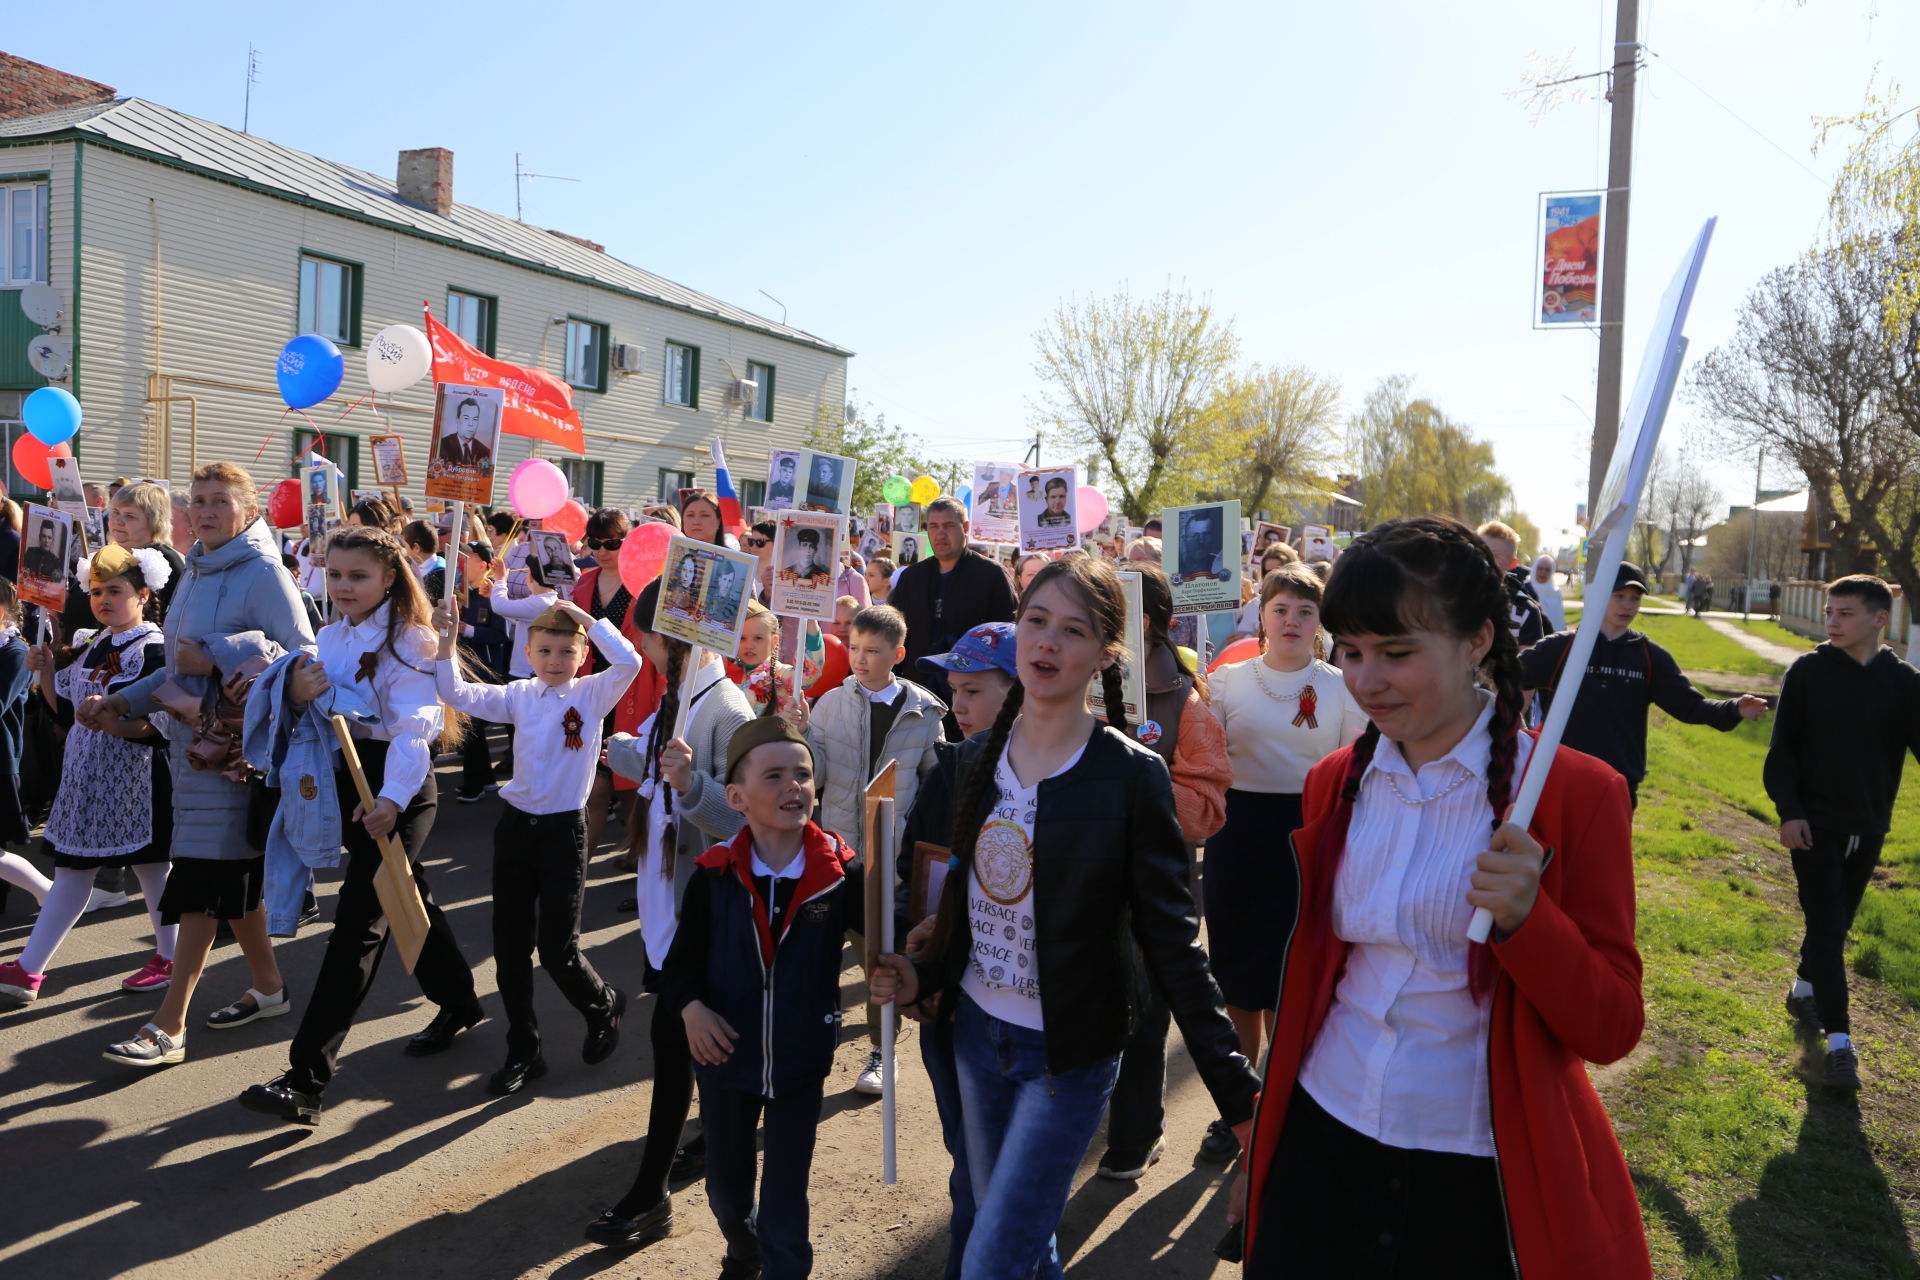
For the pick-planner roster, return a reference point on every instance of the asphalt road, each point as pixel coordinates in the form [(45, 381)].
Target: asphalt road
[(416, 1171)]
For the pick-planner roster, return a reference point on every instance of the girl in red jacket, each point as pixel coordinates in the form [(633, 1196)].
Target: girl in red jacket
[(1426, 1110)]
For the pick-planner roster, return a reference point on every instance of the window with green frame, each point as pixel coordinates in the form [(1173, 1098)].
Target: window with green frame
[(682, 377), (753, 493), (342, 447), (586, 354), (474, 316), (761, 375), (330, 295), (584, 479)]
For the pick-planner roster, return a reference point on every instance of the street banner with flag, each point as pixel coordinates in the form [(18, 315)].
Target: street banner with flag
[(538, 404)]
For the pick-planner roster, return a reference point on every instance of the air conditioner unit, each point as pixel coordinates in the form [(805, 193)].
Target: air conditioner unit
[(743, 392), (628, 358)]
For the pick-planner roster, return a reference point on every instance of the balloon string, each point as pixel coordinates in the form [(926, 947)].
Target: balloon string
[(271, 434), (319, 437), (355, 405)]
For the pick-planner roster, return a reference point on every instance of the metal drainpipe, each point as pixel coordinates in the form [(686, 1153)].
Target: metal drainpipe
[(193, 429)]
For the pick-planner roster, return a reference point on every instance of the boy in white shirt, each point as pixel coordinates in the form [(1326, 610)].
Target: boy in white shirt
[(540, 846)]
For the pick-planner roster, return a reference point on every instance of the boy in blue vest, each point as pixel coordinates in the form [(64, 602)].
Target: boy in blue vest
[(755, 974)]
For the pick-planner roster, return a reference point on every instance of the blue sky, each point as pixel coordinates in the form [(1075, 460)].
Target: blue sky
[(1347, 182)]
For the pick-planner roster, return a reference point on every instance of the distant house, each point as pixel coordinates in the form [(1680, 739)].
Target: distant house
[(186, 254)]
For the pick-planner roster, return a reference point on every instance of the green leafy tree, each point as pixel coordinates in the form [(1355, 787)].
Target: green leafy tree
[(1413, 460), (1876, 194), (882, 450), (1131, 379), (1268, 433)]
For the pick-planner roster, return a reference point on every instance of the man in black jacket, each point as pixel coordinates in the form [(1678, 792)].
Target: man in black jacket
[(946, 595), (1849, 714), (1626, 674)]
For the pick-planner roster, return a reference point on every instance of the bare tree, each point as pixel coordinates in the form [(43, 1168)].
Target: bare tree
[(1820, 371), (1130, 379), (1647, 534), (1687, 502)]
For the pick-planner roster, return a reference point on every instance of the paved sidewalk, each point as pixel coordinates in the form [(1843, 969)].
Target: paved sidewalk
[(1771, 650)]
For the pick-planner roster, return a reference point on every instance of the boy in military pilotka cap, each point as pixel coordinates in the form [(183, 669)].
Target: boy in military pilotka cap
[(755, 974), (540, 846)]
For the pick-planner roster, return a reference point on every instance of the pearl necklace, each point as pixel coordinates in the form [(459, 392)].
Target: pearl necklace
[(1460, 776), (1260, 678)]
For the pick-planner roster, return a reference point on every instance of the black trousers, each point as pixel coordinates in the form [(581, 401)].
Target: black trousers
[(476, 759), (1137, 1111), (359, 936), (1832, 878), (539, 878), (667, 1113), (1337, 1204), (775, 1232)]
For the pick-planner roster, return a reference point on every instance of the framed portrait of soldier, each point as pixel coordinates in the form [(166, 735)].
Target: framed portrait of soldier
[(806, 563), (704, 593), (466, 438), (827, 483), (1048, 502), (550, 551), (1201, 554), (783, 478), (389, 460), (46, 557)]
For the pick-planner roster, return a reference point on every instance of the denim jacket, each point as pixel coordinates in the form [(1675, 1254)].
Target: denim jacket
[(294, 749)]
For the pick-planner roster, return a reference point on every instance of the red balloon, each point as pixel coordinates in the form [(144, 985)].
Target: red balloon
[(30, 460), (570, 520), (1239, 651), (284, 510), (644, 555)]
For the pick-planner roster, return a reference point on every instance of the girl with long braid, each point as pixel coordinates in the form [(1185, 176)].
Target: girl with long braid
[(1426, 1109), (683, 804), (1070, 873)]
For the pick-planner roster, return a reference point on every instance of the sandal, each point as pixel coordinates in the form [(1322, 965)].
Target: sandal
[(151, 1047), (240, 1013)]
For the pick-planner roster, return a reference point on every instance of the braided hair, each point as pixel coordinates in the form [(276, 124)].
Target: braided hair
[(678, 652), (1098, 587), (409, 610), (1423, 573)]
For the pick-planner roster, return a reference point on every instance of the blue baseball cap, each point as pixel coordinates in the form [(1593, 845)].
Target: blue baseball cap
[(988, 647)]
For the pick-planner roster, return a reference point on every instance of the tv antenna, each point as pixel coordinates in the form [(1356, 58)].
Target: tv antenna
[(520, 176), (783, 306), (253, 74)]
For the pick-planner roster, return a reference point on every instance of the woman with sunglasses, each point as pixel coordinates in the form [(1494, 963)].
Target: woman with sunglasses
[(601, 593)]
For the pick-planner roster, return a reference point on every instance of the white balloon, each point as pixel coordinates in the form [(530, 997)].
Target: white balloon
[(398, 357)]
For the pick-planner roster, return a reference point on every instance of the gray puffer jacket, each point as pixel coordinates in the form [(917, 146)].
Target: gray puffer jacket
[(838, 730), (241, 587)]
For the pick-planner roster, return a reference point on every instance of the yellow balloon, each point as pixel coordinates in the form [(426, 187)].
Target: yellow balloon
[(925, 490)]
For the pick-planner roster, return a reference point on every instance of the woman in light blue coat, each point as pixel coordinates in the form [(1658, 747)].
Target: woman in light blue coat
[(236, 601)]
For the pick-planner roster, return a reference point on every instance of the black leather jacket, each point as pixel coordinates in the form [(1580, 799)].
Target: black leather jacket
[(1112, 912)]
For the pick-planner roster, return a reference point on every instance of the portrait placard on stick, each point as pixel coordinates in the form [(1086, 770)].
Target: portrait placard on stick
[(704, 599), (466, 437), (994, 515), (46, 554), (1133, 667), (806, 563), (1201, 555), (825, 484), (1049, 507), (783, 479), (389, 460), (551, 553)]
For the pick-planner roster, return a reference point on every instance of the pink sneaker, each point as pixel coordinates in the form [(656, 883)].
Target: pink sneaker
[(156, 975), (17, 986)]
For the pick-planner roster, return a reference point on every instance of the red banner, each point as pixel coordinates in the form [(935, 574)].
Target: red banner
[(538, 404)]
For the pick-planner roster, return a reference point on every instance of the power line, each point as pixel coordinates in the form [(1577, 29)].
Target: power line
[(1741, 120)]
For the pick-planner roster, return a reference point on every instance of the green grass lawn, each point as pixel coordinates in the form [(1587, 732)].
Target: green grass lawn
[(1698, 647), (1745, 1168), (1770, 630)]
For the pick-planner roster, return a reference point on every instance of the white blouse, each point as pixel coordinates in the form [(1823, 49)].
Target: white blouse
[(1402, 1057), (399, 689), (1256, 705)]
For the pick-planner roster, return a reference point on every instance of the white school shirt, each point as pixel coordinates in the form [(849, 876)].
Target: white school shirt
[(1003, 972), (400, 690), (653, 892), (549, 776), (1402, 1057), (1269, 753), (518, 614)]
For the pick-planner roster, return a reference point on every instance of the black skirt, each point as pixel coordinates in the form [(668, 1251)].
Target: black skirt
[(1249, 886), (225, 889)]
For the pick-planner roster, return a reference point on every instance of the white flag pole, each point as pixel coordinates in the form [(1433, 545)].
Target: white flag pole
[(883, 865)]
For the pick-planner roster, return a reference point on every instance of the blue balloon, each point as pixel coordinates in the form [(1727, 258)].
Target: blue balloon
[(52, 415), (966, 496), (309, 371)]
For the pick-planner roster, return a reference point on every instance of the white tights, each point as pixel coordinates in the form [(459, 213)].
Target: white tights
[(16, 870), (67, 899)]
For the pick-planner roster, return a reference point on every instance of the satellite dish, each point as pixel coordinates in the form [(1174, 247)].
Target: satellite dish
[(42, 303), (50, 355)]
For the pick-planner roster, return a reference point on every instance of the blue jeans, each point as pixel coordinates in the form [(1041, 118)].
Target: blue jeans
[(936, 1051), (772, 1232), (1027, 1128)]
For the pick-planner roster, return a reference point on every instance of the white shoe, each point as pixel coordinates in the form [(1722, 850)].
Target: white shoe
[(868, 1081), (101, 899), (152, 1047)]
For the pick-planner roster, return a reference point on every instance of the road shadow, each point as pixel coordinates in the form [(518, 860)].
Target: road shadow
[(1825, 1207)]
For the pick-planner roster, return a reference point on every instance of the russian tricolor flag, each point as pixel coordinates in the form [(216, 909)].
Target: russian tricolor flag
[(732, 518)]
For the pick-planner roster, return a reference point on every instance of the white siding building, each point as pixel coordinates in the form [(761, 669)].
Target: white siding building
[(188, 254)]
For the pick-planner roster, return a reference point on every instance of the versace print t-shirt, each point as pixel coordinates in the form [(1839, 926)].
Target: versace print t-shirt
[(1003, 977)]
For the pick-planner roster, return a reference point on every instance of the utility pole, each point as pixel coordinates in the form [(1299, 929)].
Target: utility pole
[(1613, 251), (253, 68), (1753, 534)]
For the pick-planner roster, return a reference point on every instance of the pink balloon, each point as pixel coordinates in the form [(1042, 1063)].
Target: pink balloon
[(537, 489), (643, 556), (570, 519), (1093, 508)]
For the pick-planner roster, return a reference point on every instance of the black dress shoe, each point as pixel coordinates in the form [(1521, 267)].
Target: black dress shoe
[(625, 1233), (690, 1161), (603, 1034), (518, 1071), (285, 1099), (732, 1268), (446, 1024)]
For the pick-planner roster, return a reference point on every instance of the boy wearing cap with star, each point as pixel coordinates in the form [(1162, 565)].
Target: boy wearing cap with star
[(755, 974), (540, 845), (1626, 674)]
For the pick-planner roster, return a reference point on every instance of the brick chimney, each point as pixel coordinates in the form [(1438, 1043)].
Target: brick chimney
[(30, 89), (426, 179)]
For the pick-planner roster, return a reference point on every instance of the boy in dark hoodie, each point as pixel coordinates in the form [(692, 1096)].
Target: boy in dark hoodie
[(755, 973), (1626, 674), (1849, 713)]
